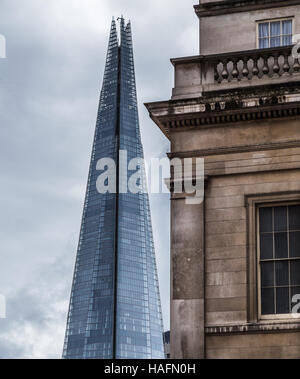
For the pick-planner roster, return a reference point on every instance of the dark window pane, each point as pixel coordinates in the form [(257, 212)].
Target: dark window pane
[(263, 43), (295, 299), (282, 301), (287, 40), (267, 301), (281, 246), (282, 273), (295, 273), (295, 244), (264, 30), (280, 219), (275, 28), (265, 219), (287, 27), (274, 41), (266, 246), (267, 274), (294, 217)]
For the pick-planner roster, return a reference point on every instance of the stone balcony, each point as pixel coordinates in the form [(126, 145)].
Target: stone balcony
[(230, 88), (197, 76)]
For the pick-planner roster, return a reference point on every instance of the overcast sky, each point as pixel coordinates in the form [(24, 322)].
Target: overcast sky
[(49, 93)]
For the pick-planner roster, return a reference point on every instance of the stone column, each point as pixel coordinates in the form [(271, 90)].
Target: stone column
[(187, 280)]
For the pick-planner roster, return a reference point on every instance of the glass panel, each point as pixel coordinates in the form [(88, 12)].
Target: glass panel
[(282, 300), (264, 30), (295, 273), (282, 273), (287, 40), (287, 27), (266, 246), (280, 219), (281, 245), (263, 43), (294, 217), (295, 244), (267, 274), (265, 219), (275, 42), (275, 29), (267, 301)]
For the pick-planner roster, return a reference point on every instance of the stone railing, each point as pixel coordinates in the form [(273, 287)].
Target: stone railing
[(196, 75), (256, 64)]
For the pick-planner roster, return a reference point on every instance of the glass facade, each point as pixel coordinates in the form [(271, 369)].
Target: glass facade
[(115, 309)]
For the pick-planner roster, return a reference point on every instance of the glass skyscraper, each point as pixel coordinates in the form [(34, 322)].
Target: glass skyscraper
[(115, 309)]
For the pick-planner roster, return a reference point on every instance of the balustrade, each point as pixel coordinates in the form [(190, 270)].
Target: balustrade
[(258, 64)]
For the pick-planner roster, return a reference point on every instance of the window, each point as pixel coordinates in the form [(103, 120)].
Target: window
[(275, 33), (279, 258)]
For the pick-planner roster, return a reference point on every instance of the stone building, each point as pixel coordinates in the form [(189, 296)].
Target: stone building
[(235, 258)]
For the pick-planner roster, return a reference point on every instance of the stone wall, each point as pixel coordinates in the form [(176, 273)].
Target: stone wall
[(237, 31)]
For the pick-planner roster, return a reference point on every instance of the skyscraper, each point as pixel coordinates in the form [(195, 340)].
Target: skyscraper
[(115, 309)]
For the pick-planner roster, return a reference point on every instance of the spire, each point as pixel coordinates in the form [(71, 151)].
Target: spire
[(129, 33), (110, 316), (112, 44), (113, 32)]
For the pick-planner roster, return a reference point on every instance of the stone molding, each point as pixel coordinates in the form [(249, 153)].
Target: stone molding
[(253, 328), (217, 8)]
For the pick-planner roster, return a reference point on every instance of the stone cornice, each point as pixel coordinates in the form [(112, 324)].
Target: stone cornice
[(236, 102), (235, 149), (234, 6), (219, 117), (279, 327)]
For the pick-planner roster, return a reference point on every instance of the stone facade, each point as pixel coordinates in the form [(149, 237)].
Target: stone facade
[(237, 107)]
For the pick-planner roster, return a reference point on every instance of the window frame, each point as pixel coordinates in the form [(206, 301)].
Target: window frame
[(258, 22), (283, 316), (253, 203)]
